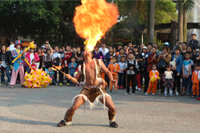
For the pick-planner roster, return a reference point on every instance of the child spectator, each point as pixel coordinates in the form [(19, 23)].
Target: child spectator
[(168, 80), (178, 59), (72, 68), (114, 68), (195, 81), (187, 74), (140, 67), (51, 74), (131, 72), (122, 66), (152, 85), (33, 65)]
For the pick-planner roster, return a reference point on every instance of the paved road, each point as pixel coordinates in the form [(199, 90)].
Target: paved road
[(38, 110)]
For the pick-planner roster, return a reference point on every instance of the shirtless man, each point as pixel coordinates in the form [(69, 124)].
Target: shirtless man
[(93, 89)]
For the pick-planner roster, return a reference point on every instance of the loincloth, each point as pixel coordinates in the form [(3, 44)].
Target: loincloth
[(92, 95)]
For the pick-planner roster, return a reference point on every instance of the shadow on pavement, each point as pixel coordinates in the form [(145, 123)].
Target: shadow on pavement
[(27, 122)]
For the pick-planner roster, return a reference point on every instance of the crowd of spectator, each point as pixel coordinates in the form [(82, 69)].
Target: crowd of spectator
[(133, 66)]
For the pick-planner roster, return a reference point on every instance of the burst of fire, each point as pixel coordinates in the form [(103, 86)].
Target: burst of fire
[(92, 20)]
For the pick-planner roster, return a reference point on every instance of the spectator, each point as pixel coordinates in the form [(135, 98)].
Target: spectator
[(33, 65), (163, 59), (178, 59), (144, 54), (32, 55), (72, 68), (5, 58), (126, 49), (12, 46), (114, 69), (195, 82), (130, 45), (66, 61), (157, 51), (79, 56), (63, 48), (121, 54), (97, 54), (131, 72), (40, 55), (122, 65), (187, 74), (103, 49), (141, 47), (152, 85), (193, 43), (151, 59), (184, 49), (168, 80), (109, 56), (56, 61), (47, 58)]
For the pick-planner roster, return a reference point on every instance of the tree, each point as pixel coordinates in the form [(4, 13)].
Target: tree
[(180, 21), (187, 4), (152, 21)]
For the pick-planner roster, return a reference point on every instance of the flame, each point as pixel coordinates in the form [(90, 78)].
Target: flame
[(92, 20)]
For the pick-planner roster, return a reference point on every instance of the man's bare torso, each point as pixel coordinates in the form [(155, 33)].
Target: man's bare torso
[(90, 73)]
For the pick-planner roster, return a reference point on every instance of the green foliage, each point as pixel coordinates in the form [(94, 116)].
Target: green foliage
[(165, 11), (38, 19)]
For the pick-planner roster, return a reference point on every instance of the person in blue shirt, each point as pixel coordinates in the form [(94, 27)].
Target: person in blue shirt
[(72, 68), (18, 64), (178, 58)]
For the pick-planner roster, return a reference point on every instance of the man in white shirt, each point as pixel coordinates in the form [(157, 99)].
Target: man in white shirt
[(56, 61), (12, 46), (103, 49)]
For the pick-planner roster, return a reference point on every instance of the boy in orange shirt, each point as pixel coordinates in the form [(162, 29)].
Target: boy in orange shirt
[(114, 68), (195, 81), (153, 86)]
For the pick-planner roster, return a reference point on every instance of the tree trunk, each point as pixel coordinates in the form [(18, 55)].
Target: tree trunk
[(180, 22), (148, 21), (152, 21), (185, 26)]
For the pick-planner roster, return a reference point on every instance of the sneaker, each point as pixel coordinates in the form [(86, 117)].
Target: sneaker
[(63, 123), (146, 94), (68, 84), (177, 94), (132, 94), (139, 89), (170, 95), (8, 83), (114, 92), (121, 87), (193, 96), (198, 98), (126, 93), (11, 86), (76, 85), (3, 83), (159, 93), (0, 84), (118, 87), (136, 87), (113, 124), (61, 84), (165, 95), (153, 94), (110, 91)]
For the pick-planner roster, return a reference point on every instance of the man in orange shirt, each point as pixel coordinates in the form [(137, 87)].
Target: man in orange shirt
[(195, 81), (114, 68)]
